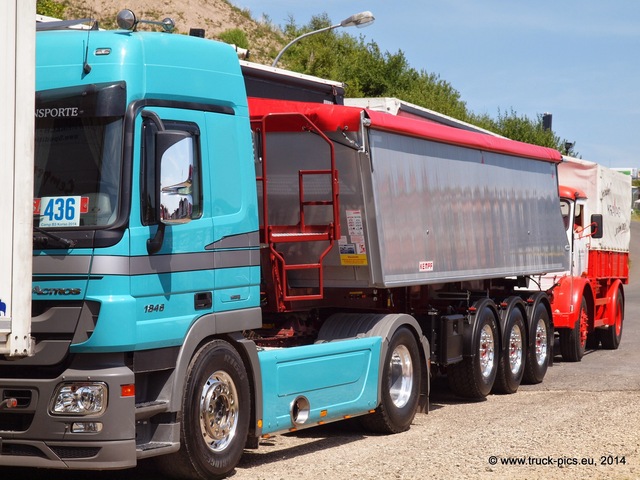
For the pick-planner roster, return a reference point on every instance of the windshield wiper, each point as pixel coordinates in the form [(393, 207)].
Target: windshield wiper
[(40, 242)]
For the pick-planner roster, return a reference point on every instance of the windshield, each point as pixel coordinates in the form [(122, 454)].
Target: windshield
[(77, 171)]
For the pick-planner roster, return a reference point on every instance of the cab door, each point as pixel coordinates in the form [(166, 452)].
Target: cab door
[(172, 276)]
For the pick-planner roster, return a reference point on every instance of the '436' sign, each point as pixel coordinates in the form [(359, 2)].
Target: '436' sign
[(60, 211)]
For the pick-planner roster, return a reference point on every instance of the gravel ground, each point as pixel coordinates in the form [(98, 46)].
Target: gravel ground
[(463, 440)]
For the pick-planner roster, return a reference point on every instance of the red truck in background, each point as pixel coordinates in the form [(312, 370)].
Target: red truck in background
[(588, 300)]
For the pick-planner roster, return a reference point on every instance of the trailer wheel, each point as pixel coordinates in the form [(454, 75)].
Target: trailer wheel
[(400, 386), (540, 337), (611, 336), (474, 376), (512, 355), (215, 415), (573, 341)]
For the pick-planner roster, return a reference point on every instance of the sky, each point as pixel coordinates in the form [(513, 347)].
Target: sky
[(576, 59)]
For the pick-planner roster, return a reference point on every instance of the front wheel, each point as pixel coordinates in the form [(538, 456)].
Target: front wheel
[(573, 341), (611, 336), (474, 376), (400, 386), (215, 415)]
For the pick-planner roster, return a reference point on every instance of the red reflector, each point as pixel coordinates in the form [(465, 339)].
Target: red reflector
[(127, 390)]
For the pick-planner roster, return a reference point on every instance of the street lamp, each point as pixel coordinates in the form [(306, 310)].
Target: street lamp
[(359, 20)]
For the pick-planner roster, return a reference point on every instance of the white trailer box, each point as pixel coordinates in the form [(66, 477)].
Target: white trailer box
[(608, 193), (17, 94)]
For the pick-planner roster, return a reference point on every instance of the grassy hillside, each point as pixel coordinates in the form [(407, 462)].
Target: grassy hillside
[(216, 17)]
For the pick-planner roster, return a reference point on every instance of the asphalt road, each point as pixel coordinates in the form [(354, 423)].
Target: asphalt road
[(586, 410)]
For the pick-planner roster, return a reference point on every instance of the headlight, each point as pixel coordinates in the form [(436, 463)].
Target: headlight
[(79, 399)]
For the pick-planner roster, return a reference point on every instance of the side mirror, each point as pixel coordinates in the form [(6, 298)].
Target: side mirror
[(174, 177), (174, 156), (596, 225)]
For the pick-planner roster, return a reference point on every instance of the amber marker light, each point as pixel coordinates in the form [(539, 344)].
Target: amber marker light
[(128, 390)]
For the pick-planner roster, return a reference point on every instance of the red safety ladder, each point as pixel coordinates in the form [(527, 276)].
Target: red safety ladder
[(274, 235)]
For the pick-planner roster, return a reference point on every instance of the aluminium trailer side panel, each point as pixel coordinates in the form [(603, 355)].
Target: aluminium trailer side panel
[(608, 193), (445, 213)]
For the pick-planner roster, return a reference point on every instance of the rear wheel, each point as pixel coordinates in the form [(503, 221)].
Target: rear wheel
[(573, 342), (539, 351), (400, 386), (512, 356), (215, 415), (611, 336), (593, 341), (475, 375)]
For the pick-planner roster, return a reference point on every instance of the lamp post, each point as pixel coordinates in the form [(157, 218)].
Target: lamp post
[(359, 20)]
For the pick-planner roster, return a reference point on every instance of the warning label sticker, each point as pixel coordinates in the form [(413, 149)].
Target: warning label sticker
[(354, 222), (353, 251)]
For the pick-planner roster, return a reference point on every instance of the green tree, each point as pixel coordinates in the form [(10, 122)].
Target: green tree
[(234, 36), (50, 8), (524, 129), (366, 71)]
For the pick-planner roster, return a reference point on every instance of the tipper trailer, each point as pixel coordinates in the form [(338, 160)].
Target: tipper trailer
[(210, 269)]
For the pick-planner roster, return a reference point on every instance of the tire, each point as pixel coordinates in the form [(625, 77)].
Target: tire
[(511, 364), (611, 336), (573, 342), (400, 386), (593, 341), (475, 375), (214, 421), (539, 351)]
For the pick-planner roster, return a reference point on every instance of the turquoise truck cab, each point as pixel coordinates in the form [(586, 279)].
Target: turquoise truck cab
[(106, 115)]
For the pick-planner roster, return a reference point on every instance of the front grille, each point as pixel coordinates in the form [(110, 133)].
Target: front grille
[(18, 418), (70, 453), (15, 422), (40, 307), (75, 452), (17, 449), (22, 396), (55, 325)]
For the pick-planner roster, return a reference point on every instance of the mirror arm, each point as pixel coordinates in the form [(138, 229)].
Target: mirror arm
[(155, 118), (155, 244)]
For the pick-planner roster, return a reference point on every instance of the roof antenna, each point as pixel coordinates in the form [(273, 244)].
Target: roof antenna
[(86, 68)]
